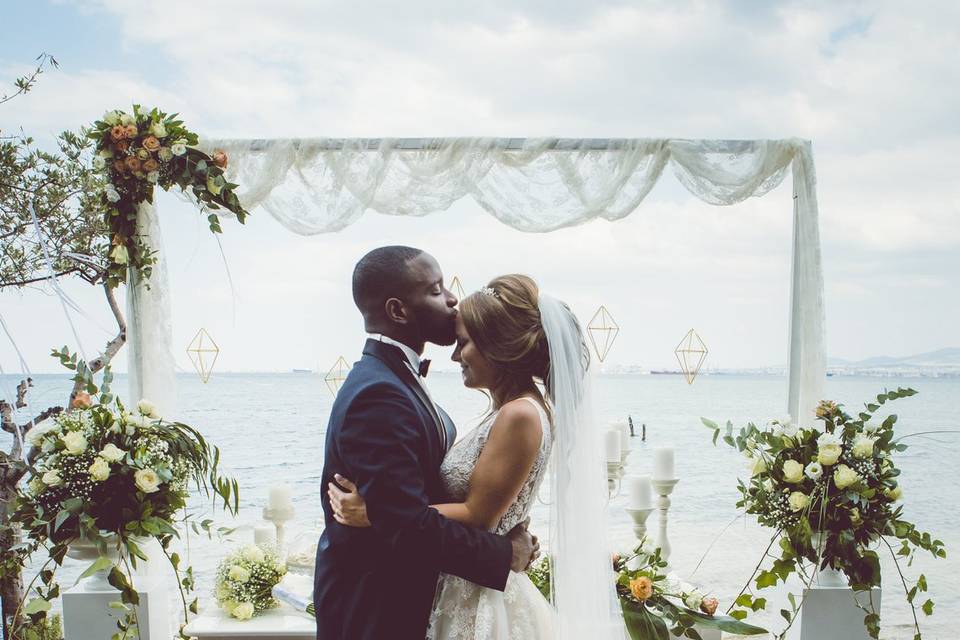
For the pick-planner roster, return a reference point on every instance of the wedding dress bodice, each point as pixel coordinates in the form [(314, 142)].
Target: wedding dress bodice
[(458, 465)]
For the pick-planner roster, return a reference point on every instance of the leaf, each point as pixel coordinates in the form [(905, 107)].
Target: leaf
[(61, 518), (641, 623), (730, 624), (100, 564), (928, 607), (766, 579), (36, 606)]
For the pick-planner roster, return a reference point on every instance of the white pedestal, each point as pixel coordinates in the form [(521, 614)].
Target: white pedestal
[(283, 623), (87, 614), (832, 614), (709, 634)]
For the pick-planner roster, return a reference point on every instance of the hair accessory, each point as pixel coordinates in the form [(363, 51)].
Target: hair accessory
[(489, 291)]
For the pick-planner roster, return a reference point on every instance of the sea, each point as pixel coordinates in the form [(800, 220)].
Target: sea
[(270, 430)]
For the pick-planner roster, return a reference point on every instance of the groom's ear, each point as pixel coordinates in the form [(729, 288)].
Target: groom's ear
[(396, 311)]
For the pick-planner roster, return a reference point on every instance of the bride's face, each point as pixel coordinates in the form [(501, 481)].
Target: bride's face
[(478, 372)]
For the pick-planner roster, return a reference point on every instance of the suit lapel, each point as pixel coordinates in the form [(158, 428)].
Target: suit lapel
[(394, 359)]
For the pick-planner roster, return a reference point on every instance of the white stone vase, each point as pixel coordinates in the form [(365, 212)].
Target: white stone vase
[(828, 578)]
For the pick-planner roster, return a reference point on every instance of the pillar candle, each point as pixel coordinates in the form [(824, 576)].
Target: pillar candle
[(663, 464), (612, 442), (624, 429), (640, 492), (264, 534), (280, 497)]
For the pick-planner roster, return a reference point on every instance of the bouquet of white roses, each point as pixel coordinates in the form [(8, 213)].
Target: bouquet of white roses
[(831, 493), (245, 581), (107, 476)]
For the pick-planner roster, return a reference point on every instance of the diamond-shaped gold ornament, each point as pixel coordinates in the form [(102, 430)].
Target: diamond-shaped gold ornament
[(691, 352), (203, 352), (602, 330), (456, 288), (337, 374)]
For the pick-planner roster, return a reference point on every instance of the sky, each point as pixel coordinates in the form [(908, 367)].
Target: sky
[(874, 85)]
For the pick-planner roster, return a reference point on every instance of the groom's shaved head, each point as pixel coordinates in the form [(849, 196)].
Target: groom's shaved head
[(382, 274)]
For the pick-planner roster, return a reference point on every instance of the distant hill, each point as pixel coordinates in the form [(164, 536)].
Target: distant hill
[(943, 359)]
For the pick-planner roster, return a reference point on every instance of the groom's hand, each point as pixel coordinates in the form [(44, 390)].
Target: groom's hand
[(526, 548)]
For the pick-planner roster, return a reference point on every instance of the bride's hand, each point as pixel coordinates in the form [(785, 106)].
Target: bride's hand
[(349, 507)]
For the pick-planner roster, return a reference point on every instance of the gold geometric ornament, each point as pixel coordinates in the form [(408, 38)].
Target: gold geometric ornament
[(456, 288), (691, 352), (203, 352), (337, 374), (603, 330)]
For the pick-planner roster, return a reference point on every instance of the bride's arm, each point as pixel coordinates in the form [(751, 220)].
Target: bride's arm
[(503, 467)]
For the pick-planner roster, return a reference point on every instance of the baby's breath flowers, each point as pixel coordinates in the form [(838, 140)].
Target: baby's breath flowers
[(245, 581)]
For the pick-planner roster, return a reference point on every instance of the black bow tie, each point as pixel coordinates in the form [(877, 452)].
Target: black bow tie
[(424, 368)]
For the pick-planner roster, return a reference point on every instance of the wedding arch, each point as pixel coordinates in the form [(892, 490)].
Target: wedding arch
[(323, 185)]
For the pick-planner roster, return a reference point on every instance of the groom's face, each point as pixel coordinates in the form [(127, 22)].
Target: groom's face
[(432, 307)]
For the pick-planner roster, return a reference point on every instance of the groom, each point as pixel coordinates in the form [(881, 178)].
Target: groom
[(388, 436)]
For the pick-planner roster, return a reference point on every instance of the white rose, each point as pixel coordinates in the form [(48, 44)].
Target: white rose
[(863, 447), (792, 471), (126, 119), (165, 154), (252, 553), (52, 479), (178, 149), (99, 470), (758, 466), (844, 477), (799, 501), (153, 177), (35, 435), (112, 194), (112, 453), (693, 600), (36, 487), (147, 408), (243, 611), (814, 471), (158, 130), (48, 446), (894, 494), (111, 118), (74, 442), (147, 480), (238, 573), (829, 438), (871, 427), (828, 454), (99, 162)]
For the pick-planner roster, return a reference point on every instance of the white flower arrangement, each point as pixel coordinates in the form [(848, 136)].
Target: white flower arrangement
[(245, 581)]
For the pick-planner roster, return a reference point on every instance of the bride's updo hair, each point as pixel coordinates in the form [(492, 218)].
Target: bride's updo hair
[(503, 321)]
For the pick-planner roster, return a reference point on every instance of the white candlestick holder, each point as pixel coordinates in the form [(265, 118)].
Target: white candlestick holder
[(614, 478), (640, 521), (663, 489), (279, 516)]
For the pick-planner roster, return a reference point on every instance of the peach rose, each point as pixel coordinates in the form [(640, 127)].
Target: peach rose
[(641, 588), (827, 409), (133, 164), (150, 143), (616, 560), (151, 165), (220, 159), (81, 401), (709, 605), (119, 166), (118, 132), (130, 131)]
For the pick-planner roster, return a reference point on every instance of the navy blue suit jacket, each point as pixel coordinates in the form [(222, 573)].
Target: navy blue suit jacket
[(379, 582)]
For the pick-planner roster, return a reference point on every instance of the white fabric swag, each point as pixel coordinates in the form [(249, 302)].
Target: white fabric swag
[(323, 185)]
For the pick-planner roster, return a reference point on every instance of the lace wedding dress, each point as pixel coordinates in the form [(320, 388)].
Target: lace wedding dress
[(464, 611)]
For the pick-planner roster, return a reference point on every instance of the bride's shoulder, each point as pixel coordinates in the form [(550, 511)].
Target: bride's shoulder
[(519, 418)]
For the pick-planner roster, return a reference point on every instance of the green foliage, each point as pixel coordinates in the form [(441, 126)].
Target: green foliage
[(539, 574), (47, 628), (829, 493)]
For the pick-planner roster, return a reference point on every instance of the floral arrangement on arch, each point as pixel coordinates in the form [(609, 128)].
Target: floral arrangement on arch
[(832, 495), (142, 150), (245, 581), (110, 477)]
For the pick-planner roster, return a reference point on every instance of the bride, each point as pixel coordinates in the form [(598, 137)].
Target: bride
[(511, 342)]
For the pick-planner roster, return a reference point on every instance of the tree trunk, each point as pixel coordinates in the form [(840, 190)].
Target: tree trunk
[(11, 585)]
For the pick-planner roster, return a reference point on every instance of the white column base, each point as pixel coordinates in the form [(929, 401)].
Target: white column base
[(832, 614), (87, 614)]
